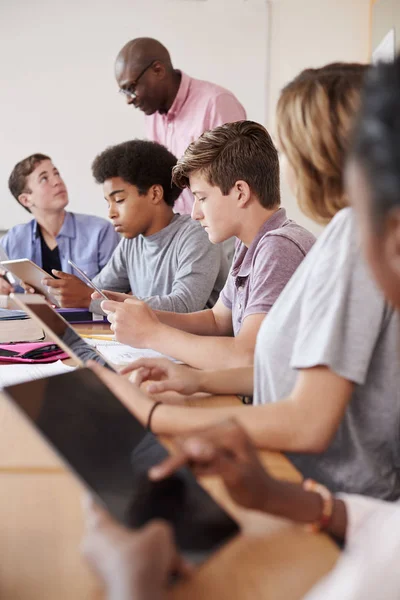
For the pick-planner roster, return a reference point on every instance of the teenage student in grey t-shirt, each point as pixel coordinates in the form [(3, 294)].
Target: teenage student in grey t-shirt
[(164, 258), (327, 378)]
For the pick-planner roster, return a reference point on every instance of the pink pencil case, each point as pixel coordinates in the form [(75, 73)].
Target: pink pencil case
[(32, 352)]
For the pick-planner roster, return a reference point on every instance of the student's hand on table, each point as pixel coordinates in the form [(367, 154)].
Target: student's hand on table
[(115, 296), (127, 392), (69, 290), (131, 564), (132, 321), (225, 450), (164, 375)]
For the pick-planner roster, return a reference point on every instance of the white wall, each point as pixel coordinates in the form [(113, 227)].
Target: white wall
[(311, 33), (58, 94)]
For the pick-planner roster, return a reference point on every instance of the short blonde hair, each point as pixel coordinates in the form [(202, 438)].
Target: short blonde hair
[(241, 150), (315, 116)]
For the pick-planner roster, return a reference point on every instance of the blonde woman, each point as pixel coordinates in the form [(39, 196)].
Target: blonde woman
[(326, 382), (368, 566)]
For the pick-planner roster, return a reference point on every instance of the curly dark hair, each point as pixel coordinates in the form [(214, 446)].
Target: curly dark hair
[(140, 163)]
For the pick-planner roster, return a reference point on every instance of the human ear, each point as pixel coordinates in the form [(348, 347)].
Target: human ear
[(157, 194), (159, 69), (243, 193), (25, 200)]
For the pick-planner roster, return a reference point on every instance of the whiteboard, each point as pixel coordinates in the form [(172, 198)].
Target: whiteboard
[(58, 93)]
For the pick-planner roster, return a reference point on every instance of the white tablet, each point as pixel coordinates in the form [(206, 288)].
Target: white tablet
[(31, 274)]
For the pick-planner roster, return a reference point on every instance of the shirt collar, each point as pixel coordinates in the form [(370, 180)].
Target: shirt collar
[(181, 96), (68, 228), (243, 261)]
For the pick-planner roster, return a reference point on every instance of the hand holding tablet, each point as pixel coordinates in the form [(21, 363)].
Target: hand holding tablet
[(87, 279), (31, 274)]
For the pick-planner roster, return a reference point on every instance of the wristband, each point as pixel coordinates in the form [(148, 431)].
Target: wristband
[(153, 408), (327, 505)]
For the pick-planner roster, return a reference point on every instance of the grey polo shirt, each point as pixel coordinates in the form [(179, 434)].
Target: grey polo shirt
[(260, 272)]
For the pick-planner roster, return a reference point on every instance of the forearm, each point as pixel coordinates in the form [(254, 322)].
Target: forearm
[(227, 381), (200, 323), (108, 279), (291, 501), (278, 426), (188, 295), (181, 302), (202, 352)]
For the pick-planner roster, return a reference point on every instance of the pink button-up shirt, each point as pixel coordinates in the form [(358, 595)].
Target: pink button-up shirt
[(198, 106)]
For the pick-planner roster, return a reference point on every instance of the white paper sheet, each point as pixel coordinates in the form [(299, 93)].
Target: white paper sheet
[(12, 374), (121, 354)]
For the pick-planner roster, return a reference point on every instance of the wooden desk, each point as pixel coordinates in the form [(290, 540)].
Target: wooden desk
[(41, 528)]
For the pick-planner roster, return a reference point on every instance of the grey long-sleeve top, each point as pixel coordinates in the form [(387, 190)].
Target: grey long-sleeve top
[(176, 269)]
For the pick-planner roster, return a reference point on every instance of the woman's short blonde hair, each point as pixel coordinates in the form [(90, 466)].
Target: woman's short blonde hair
[(314, 122)]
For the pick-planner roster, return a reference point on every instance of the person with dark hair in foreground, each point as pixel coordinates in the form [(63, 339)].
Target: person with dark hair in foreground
[(54, 235), (368, 567), (164, 259), (137, 565)]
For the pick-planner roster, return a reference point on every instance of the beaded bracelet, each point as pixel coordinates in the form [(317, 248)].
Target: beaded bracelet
[(153, 408), (327, 505)]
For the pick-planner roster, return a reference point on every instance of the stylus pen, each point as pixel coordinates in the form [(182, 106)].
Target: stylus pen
[(87, 279)]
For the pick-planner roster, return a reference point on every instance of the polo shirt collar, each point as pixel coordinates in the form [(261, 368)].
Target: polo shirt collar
[(68, 228), (243, 261), (181, 96)]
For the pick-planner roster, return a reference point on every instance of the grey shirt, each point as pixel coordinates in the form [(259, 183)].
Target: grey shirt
[(176, 269), (260, 272), (332, 313)]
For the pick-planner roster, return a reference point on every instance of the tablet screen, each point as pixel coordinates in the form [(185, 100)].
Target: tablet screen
[(56, 324), (111, 452)]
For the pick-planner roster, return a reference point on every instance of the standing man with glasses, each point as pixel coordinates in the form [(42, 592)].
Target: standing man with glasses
[(178, 108)]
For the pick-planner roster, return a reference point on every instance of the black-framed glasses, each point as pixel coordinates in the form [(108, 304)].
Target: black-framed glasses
[(130, 91)]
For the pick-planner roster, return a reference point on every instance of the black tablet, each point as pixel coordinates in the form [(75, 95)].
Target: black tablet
[(111, 453), (58, 329)]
